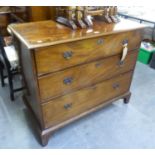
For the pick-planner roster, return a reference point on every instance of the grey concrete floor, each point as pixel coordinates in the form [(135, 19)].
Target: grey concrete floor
[(116, 126)]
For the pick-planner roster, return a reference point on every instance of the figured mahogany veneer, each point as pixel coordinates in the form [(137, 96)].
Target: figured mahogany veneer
[(84, 75), (70, 105), (70, 74), (53, 58)]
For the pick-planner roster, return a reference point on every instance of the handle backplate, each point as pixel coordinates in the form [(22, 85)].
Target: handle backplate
[(67, 55), (116, 85), (68, 80), (67, 106), (100, 41)]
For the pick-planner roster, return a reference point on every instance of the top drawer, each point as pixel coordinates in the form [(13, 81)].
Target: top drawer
[(58, 57)]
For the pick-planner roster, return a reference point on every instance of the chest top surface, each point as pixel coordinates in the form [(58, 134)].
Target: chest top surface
[(46, 33)]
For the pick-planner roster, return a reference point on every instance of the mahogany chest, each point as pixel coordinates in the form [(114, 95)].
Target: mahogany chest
[(69, 74)]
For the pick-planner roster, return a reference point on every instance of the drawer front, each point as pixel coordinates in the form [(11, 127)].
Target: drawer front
[(58, 57), (70, 105), (60, 83)]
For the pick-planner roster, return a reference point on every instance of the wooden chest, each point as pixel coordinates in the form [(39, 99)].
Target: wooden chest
[(69, 74)]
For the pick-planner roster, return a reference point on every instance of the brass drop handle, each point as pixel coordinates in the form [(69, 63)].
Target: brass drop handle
[(125, 51), (116, 85), (68, 80), (67, 55), (67, 106), (99, 64), (100, 41)]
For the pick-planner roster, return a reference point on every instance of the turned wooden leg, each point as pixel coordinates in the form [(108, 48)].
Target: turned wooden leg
[(127, 98)]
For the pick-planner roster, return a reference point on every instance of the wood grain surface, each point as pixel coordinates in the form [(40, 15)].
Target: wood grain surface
[(46, 33), (54, 58), (65, 107), (53, 85)]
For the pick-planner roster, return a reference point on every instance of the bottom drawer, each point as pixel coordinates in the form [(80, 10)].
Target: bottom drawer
[(70, 105)]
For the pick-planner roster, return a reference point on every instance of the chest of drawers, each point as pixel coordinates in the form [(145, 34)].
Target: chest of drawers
[(70, 74)]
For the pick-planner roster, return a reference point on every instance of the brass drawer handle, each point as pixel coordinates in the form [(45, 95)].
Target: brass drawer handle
[(116, 85), (100, 41), (98, 64), (120, 63), (67, 106), (68, 80), (125, 41), (67, 55)]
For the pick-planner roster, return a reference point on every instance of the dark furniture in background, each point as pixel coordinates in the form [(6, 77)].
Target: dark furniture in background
[(9, 64), (4, 21), (15, 14)]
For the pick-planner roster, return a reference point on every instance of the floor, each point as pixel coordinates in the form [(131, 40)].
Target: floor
[(115, 126)]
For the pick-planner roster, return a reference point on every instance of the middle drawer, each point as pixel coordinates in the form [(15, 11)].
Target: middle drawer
[(60, 83)]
